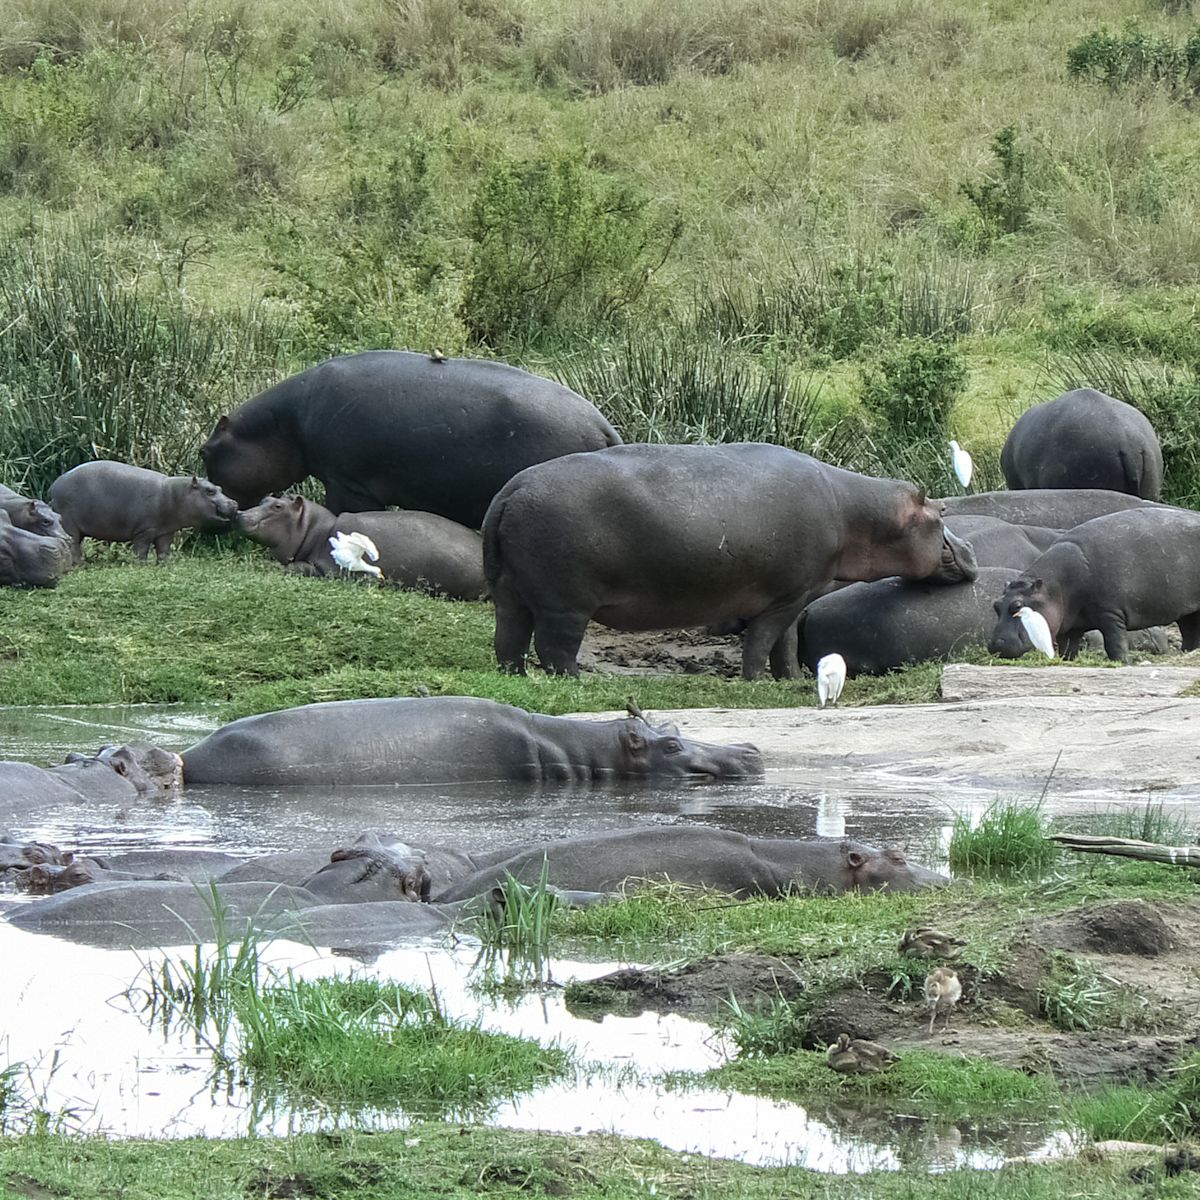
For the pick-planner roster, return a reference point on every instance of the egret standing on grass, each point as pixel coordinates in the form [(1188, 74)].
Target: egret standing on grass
[(831, 678), (1037, 630), (350, 550), (964, 468)]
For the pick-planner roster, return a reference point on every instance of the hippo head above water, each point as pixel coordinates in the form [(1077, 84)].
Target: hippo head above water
[(249, 463), (660, 751), (151, 770)]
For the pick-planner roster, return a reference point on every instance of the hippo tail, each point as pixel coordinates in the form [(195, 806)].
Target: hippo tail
[(491, 539)]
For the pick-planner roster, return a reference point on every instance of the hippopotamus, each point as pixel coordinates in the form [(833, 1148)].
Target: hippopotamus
[(998, 543), (417, 550), (116, 502), (701, 856), (389, 427), (1052, 508), (1084, 439), (30, 559), (19, 855), (660, 537), (884, 625), (1124, 571), (34, 515), (113, 774), (371, 869), (47, 879), (439, 739)]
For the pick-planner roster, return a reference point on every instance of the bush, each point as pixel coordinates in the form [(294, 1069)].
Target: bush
[(914, 389), (1133, 56), (556, 243), (1008, 841), (1003, 201)]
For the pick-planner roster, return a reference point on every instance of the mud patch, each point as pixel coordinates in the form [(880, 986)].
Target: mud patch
[(1126, 927), (680, 651)]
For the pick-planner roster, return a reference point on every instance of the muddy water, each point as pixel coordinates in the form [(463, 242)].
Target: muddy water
[(88, 1053)]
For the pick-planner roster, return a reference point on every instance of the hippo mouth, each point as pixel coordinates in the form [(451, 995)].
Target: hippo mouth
[(958, 564), (745, 762)]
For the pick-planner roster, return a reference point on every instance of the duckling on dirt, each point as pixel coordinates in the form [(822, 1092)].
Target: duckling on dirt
[(929, 943), (858, 1056), (942, 992)]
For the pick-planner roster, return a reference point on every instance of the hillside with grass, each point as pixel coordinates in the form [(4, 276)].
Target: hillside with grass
[(855, 229)]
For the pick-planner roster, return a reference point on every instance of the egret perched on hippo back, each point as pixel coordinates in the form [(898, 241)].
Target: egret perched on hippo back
[(831, 678), (665, 537)]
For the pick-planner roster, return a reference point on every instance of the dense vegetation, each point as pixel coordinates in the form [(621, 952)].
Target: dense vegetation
[(860, 228)]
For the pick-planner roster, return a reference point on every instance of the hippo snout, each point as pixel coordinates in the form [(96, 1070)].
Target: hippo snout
[(727, 762), (226, 508), (1008, 639)]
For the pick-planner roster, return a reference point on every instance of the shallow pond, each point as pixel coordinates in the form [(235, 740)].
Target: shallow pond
[(88, 1053)]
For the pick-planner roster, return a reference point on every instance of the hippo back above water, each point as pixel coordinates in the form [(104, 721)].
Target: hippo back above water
[(389, 427), (440, 739)]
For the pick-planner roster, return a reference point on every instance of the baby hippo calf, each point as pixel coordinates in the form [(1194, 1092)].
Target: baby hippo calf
[(116, 502)]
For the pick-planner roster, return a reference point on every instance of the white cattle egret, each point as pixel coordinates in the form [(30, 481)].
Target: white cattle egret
[(1036, 630), (964, 468), (350, 550), (831, 678)]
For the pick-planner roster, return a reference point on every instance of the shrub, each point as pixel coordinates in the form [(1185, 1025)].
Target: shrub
[(914, 389), (1009, 840), (555, 243), (1133, 56), (1003, 201)]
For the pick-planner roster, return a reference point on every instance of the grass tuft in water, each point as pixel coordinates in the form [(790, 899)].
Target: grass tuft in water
[(780, 1029), (1008, 841)]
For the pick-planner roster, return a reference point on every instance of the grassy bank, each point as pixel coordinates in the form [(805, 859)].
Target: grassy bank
[(240, 632), (429, 1161)]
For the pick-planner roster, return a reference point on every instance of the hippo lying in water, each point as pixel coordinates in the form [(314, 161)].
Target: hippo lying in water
[(417, 550), (112, 774), (440, 739), (666, 537), (698, 856)]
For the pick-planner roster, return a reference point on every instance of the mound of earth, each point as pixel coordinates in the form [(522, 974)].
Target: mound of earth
[(1143, 952)]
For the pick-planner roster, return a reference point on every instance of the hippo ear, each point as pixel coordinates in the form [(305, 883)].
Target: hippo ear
[(222, 424), (39, 874), (68, 857), (635, 743), (195, 481), (1036, 585), (119, 765), (854, 859), (921, 497), (297, 502)]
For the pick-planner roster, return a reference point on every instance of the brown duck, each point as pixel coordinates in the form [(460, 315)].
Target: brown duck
[(858, 1056), (929, 943)]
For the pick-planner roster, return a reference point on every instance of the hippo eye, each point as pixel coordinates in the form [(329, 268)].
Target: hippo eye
[(672, 746)]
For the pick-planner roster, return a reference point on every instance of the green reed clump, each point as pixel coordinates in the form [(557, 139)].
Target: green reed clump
[(780, 1029), (94, 364), (517, 919), (837, 307), (1008, 841)]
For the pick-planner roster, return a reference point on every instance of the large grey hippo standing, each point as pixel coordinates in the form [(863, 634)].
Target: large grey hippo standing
[(417, 550), (1084, 439), (664, 537), (887, 624), (700, 856), (389, 427), (448, 739), (1125, 571)]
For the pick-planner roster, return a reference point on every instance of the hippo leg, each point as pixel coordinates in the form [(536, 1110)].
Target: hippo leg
[(1116, 641), (162, 547), (514, 629), (1189, 631), (785, 654), (762, 634), (558, 637), (142, 549), (1071, 647)]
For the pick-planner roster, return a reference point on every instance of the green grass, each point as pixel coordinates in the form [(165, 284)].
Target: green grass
[(1009, 839), (239, 631), (941, 1084), (1170, 1112), (435, 1161)]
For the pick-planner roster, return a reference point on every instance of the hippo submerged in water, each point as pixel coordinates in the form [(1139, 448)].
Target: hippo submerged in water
[(440, 739), (417, 550), (662, 537), (393, 428)]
